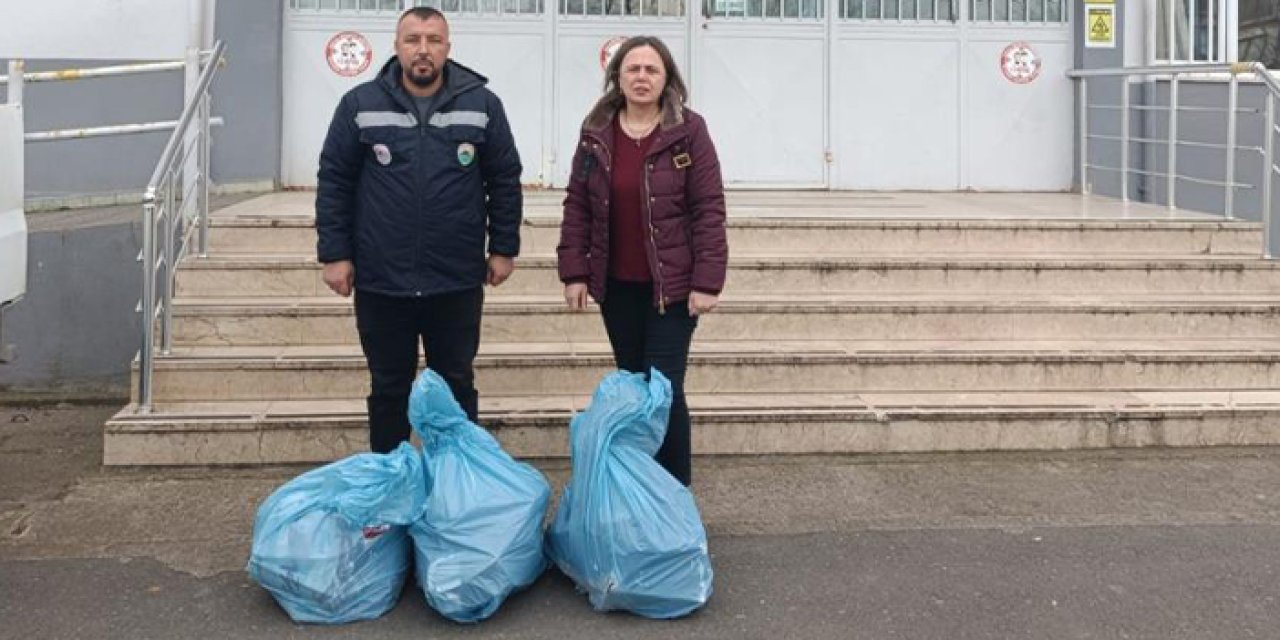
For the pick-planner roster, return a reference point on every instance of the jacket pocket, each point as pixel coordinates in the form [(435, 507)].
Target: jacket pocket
[(468, 145), (386, 148), (670, 172)]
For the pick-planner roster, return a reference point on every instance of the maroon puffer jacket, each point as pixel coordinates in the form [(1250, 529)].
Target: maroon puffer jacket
[(686, 244)]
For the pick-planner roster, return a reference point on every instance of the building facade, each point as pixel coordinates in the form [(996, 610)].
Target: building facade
[(825, 94)]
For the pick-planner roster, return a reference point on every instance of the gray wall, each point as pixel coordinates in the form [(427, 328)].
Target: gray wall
[(76, 331), (249, 91), (1193, 126), (1203, 127), (247, 149), (1207, 127), (1101, 92)]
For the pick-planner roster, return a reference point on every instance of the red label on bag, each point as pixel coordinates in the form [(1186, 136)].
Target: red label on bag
[(372, 533)]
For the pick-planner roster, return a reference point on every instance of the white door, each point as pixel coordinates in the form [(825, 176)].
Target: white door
[(1017, 131), (760, 78), (952, 94), (845, 94)]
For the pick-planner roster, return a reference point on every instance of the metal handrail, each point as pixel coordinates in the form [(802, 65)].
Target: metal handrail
[(99, 72), (1174, 73), (18, 78), (188, 113), (112, 130), (162, 217)]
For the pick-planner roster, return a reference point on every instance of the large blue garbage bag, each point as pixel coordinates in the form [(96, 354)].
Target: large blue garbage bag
[(332, 545), (626, 531), (480, 537)]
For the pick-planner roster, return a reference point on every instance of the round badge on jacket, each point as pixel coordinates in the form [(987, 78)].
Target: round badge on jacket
[(466, 154), (382, 154)]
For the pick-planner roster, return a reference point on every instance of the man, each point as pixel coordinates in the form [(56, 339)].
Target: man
[(417, 166)]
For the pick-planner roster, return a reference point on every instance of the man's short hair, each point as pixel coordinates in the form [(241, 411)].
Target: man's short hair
[(422, 13)]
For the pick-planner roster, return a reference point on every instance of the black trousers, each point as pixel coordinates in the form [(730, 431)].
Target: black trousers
[(642, 338), (390, 327)]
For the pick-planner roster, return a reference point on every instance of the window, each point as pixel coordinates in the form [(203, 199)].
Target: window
[(795, 9), (345, 6), (1260, 32), (911, 10), (1194, 31), (1034, 11), (632, 8)]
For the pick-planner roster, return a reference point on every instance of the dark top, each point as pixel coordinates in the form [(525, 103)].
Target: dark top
[(628, 260), (426, 105)]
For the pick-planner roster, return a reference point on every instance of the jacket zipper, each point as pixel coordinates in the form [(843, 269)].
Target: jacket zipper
[(598, 143), (648, 206)]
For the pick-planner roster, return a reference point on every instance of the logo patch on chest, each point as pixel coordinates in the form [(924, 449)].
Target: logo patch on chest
[(382, 154), (466, 154)]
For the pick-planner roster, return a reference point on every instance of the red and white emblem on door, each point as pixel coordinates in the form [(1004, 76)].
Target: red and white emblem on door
[(1019, 63), (348, 53), (609, 48)]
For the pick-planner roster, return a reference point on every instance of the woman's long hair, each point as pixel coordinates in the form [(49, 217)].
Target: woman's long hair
[(613, 93)]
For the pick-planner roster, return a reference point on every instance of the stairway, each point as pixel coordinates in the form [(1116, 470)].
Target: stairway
[(851, 323)]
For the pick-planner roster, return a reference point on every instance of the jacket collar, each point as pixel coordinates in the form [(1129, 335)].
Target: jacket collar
[(458, 79), (601, 116)]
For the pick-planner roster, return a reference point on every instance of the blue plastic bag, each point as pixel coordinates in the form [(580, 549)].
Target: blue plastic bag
[(626, 531), (480, 537), (332, 545)]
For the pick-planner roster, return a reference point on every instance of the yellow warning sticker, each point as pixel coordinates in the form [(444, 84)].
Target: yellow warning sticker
[(1100, 26)]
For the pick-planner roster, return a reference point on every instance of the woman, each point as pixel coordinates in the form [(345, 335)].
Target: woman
[(643, 230)]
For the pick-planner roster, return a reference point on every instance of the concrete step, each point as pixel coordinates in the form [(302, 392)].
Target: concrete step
[(230, 275), (759, 423), (274, 234), (330, 320), (196, 374)]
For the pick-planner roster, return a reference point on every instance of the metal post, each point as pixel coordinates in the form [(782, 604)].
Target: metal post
[(202, 190), (1231, 21), (1268, 173), (1191, 30), (1124, 139), (209, 24), (16, 70), (146, 351), (1171, 180), (1084, 136), (1233, 99), (169, 227), (1212, 33), (195, 24), (190, 137)]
